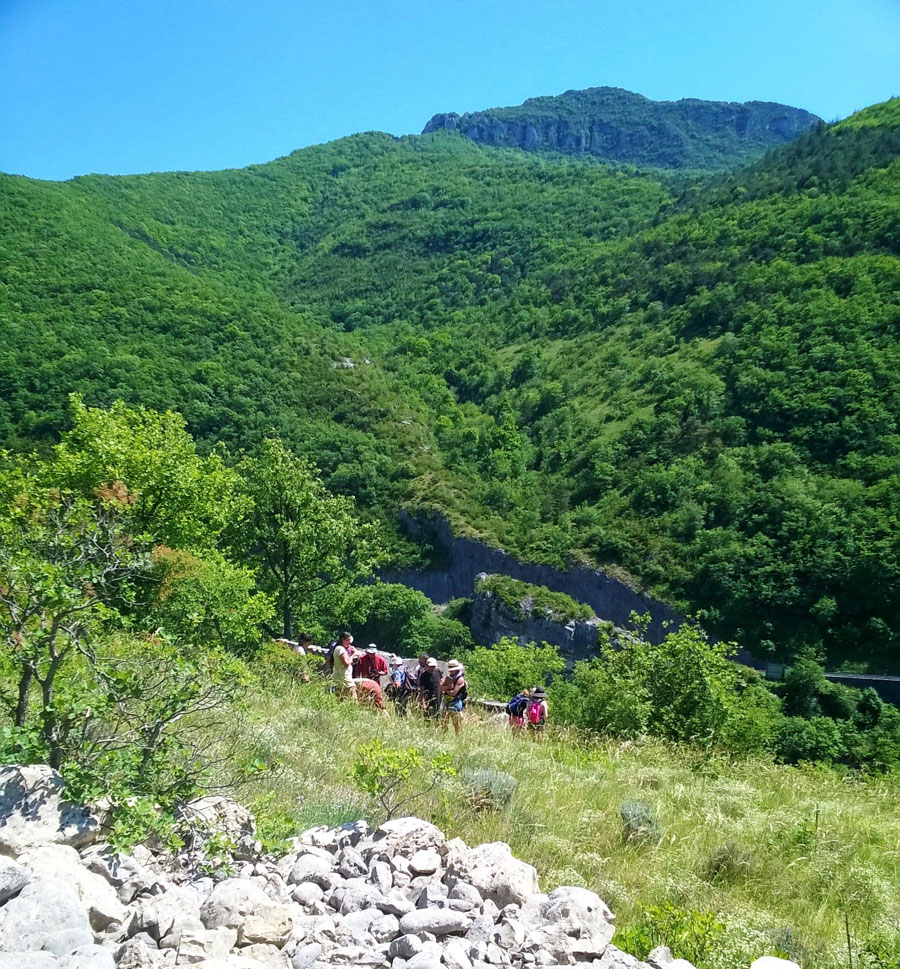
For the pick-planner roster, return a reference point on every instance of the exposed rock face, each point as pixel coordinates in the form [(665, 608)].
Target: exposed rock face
[(621, 126), (609, 597), (492, 620)]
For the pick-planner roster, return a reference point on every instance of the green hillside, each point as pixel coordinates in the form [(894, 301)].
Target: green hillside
[(694, 381)]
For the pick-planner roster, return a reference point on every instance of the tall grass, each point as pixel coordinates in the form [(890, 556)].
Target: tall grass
[(781, 854)]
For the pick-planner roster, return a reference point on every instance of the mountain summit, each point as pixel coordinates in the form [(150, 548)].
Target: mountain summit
[(617, 125)]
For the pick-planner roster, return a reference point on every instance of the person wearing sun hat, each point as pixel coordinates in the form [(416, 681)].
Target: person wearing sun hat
[(454, 691), (537, 711)]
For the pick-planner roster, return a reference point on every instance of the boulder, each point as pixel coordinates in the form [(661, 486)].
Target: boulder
[(270, 924), (216, 814), (437, 921), (64, 941), (494, 872), (305, 956), (43, 907), (428, 958), (267, 955), (405, 947), (425, 862), (455, 955), (94, 891), (124, 872), (773, 962), (661, 958), (307, 893), (157, 915), (13, 878), (572, 924), (312, 868), (33, 811)]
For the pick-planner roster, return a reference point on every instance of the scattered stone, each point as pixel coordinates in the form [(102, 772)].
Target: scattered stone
[(28, 960), (88, 957), (267, 955), (425, 862), (312, 868), (440, 921), (307, 894), (306, 955)]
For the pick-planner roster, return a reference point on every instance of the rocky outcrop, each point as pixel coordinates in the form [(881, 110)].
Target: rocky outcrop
[(400, 897), (621, 126), (610, 598), (576, 639)]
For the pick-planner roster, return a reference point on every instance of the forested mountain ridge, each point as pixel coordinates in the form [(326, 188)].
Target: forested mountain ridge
[(696, 382), (619, 126)]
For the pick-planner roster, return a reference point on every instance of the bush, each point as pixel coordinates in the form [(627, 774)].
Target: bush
[(690, 934), (818, 739), (534, 601), (488, 789), (728, 863), (502, 670)]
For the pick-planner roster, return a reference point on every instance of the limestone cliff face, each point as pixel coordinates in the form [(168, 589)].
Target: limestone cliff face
[(610, 598), (576, 639), (620, 126)]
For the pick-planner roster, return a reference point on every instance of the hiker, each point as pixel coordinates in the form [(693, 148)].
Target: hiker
[(537, 711), (302, 646), (516, 708), (368, 692), (342, 666), (399, 689), (454, 691), (430, 689), (370, 665), (413, 678)]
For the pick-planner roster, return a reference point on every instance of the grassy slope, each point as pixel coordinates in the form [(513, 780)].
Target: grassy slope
[(817, 845)]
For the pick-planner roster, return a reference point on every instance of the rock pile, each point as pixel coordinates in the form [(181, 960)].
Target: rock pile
[(399, 897)]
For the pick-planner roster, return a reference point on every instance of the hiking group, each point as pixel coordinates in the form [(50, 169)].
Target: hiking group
[(357, 674), (438, 696)]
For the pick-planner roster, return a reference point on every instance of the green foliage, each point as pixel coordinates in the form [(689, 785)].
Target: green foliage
[(535, 601), (500, 671), (307, 544), (690, 934), (395, 777), (683, 688), (208, 600), (694, 381)]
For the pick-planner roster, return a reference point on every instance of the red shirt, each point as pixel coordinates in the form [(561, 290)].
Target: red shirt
[(368, 691)]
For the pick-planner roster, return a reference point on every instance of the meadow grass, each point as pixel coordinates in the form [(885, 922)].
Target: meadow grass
[(781, 854)]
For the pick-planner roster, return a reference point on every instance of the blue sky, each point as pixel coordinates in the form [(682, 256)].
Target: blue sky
[(140, 85)]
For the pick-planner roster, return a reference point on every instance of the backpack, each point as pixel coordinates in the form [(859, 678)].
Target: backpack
[(535, 712), (329, 657), (516, 706)]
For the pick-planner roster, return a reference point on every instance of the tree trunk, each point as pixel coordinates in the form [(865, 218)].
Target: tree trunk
[(24, 692), (288, 618)]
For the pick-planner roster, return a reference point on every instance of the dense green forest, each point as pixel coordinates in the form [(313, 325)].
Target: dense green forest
[(692, 381)]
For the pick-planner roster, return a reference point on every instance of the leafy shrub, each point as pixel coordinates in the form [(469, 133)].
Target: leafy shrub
[(502, 670), (818, 739), (394, 777), (690, 934), (488, 789)]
